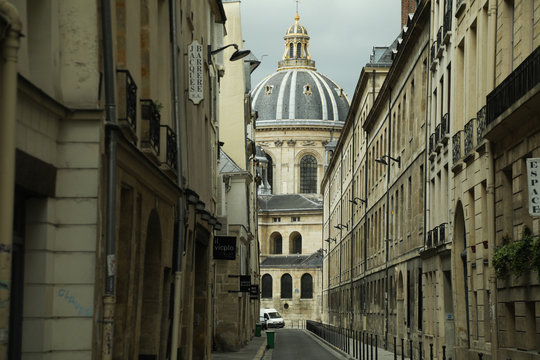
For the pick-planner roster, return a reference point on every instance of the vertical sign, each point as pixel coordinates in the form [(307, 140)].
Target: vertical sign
[(224, 247), (245, 283), (533, 183), (195, 59)]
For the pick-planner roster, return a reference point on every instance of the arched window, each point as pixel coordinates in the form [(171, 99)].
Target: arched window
[(286, 286), (295, 243), (308, 175), (276, 243), (299, 50), (267, 286), (306, 291), (291, 50), (270, 173)]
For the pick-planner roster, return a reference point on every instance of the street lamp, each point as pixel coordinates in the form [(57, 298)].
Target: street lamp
[(384, 162), (341, 226), (237, 55), (363, 201)]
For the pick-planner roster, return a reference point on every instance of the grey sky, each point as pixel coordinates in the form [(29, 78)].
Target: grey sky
[(342, 33)]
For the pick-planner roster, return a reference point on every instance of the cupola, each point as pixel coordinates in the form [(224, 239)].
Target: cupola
[(296, 53)]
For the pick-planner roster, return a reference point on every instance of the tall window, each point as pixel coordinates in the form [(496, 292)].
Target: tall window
[(286, 286), (306, 291), (276, 242), (295, 242), (308, 175), (267, 286), (270, 173), (291, 50)]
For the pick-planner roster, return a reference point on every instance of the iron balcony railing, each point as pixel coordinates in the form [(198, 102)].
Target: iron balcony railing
[(170, 144), (433, 51), (469, 136), (517, 84), (127, 99), (445, 125), (429, 239), (151, 124), (432, 143), (440, 35), (456, 146), (480, 125), (459, 4), (437, 133), (442, 235), (435, 236)]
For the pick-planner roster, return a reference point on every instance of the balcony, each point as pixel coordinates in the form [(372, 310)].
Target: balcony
[(127, 104), (457, 150), (433, 55), (435, 232), (480, 126), (447, 25), (150, 129), (440, 43), (429, 239), (438, 138), (469, 140), (169, 165), (521, 87), (432, 146), (442, 235), (445, 128)]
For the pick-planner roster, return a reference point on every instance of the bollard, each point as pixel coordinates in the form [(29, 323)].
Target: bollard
[(270, 338), (395, 350), (480, 356), (420, 350), (410, 349), (431, 351), (402, 349), (444, 352), (376, 347)]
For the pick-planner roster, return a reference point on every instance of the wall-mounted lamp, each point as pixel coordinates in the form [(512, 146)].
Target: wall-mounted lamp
[(330, 239), (341, 226), (237, 55), (363, 201), (191, 196), (200, 205), (384, 162)]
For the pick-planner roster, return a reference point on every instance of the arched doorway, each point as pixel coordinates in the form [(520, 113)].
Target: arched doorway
[(461, 292), (150, 319)]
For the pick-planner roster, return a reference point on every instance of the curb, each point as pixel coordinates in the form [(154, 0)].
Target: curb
[(333, 349)]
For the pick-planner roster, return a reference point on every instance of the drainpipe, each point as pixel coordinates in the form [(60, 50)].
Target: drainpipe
[(111, 128), (180, 179), (490, 188), (340, 234), (387, 227), (10, 32), (352, 230)]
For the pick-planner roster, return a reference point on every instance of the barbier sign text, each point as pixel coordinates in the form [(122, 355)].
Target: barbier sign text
[(224, 247), (195, 64), (533, 182)]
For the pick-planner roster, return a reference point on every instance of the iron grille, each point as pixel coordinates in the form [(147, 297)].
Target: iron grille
[(170, 154), (445, 124), (151, 123), (437, 134), (429, 239), (127, 102), (518, 83), (433, 51), (469, 136), (435, 236), (439, 35), (456, 147), (432, 143), (480, 124), (448, 20), (442, 236)]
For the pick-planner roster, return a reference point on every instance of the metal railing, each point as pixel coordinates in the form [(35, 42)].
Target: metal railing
[(127, 99), (429, 239), (435, 236), (480, 125), (442, 234), (517, 84), (433, 51), (459, 3), (440, 35), (445, 125), (437, 133), (456, 146), (151, 119), (170, 147), (447, 25), (431, 143), (469, 137)]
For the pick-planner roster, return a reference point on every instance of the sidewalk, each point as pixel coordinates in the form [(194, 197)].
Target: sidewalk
[(254, 350)]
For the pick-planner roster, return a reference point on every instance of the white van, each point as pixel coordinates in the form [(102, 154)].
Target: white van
[(272, 318)]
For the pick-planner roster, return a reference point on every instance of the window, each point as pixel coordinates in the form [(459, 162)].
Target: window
[(276, 219), (276, 242), (295, 219), (308, 175), (286, 286), (291, 50), (295, 242), (267, 286), (306, 291), (270, 173)]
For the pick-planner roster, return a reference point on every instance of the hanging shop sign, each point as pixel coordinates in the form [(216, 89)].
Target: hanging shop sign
[(254, 292), (533, 184), (245, 283), (195, 64), (224, 247)]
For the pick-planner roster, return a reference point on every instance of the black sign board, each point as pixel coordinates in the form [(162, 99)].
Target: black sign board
[(224, 247), (254, 292), (245, 283)]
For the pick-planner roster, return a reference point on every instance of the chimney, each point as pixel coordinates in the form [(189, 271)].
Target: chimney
[(407, 7)]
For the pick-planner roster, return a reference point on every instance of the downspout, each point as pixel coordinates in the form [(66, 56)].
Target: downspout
[(387, 227), (180, 213), (111, 128), (10, 32), (340, 233), (352, 231), (490, 188)]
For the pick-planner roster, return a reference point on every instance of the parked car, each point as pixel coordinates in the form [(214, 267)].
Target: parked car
[(262, 320), (272, 317)]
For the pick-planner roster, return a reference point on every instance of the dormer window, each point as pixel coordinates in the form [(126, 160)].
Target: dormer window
[(268, 89), (307, 89)]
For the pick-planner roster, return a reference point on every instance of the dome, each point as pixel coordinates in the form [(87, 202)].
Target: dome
[(296, 93)]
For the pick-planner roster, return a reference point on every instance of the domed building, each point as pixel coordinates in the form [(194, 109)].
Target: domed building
[(300, 115)]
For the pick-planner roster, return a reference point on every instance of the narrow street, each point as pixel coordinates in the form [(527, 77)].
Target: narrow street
[(298, 344)]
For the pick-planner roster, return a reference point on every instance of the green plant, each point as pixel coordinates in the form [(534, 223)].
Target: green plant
[(535, 255), (517, 257), (158, 106)]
